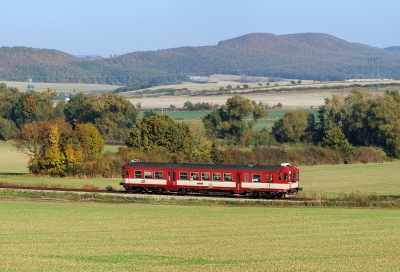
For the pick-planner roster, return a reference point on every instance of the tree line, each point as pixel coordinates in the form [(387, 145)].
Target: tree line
[(67, 138)]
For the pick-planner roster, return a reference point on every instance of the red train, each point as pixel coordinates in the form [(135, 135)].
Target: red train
[(252, 180)]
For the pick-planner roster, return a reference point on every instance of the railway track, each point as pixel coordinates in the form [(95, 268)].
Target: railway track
[(143, 195)]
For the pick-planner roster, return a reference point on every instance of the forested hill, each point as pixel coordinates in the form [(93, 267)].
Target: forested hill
[(394, 49), (304, 56)]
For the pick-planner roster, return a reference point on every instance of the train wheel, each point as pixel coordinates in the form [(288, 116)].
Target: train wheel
[(182, 192)]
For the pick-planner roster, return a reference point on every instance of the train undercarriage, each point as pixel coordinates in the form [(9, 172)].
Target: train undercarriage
[(191, 191)]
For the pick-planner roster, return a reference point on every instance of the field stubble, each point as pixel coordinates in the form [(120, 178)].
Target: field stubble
[(303, 99)]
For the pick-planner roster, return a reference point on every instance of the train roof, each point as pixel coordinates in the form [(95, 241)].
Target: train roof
[(200, 166)]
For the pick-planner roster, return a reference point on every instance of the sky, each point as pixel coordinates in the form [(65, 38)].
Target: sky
[(104, 27)]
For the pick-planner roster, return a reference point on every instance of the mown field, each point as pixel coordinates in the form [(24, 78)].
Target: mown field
[(50, 236)]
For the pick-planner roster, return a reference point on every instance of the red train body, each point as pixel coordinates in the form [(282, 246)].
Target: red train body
[(254, 180)]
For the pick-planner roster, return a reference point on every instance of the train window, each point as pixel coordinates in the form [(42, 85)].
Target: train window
[(272, 178), (158, 174), (216, 176), (227, 177), (194, 176), (138, 174), (285, 176), (205, 176), (246, 177), (127, 172), (267, 178), (256, 178), (183, 175), (279, 176), (148, 174)]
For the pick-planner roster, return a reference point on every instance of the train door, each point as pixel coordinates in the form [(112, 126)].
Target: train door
[(238, 181), (173, 178), (269, 178), (126, 176)]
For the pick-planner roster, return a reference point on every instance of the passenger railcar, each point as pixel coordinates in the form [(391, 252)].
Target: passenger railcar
[(252, 180)]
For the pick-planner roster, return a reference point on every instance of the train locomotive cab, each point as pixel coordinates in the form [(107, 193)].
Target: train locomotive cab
[(289, 178)]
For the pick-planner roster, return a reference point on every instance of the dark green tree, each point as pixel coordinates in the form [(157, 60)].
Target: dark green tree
[(229, 122), (216, 155), (8, 99), (7, 129), (188, 105), (112, 114), (294, 127), (385, 118), (336, 140), (78, 109), (161, 131), (32, 106), (365, 119)]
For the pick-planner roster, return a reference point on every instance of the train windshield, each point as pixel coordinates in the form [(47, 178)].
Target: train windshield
[(296, 175)]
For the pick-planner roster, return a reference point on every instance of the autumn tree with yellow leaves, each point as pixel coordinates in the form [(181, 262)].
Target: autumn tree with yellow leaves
[(55, 148)]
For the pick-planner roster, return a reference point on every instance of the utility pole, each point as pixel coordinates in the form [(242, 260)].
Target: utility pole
[(375, 63)]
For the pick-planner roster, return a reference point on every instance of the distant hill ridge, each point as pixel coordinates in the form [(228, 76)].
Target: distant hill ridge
[(314, 56)]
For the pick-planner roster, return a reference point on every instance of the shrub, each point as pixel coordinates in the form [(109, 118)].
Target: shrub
[(89, 186), (109, 188)]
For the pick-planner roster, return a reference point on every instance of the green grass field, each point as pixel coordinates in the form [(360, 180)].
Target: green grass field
[(331, 180), (11, 161), (48, 236), (273, 116)]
